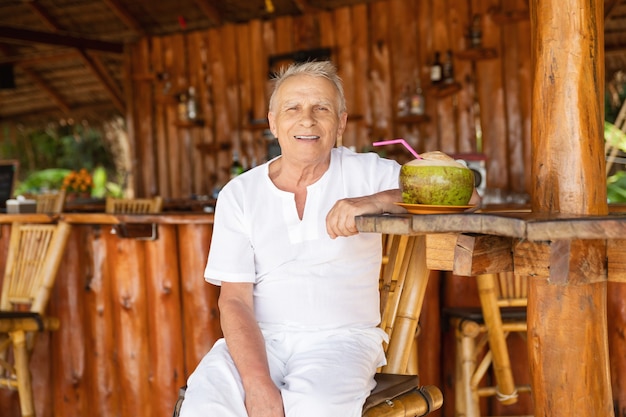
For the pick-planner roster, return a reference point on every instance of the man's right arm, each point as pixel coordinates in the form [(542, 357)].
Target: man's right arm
[(247, 348)]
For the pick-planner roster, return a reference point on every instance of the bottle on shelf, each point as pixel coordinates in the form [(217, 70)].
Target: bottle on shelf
[(476, 32), (448, 68), (436, 70), (417, 100), (183, 115), (192, 107), (404, 102), (236, 167)]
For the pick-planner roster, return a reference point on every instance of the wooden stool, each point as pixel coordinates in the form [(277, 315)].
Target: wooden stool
[(503, 301)]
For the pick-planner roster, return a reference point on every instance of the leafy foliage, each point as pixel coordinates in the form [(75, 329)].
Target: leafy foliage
[(616, 183), (47, 155)]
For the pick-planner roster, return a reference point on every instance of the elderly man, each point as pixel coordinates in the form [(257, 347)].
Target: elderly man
[(299, 286)]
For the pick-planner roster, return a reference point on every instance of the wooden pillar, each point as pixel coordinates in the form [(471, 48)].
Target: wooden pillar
[(567, 333)]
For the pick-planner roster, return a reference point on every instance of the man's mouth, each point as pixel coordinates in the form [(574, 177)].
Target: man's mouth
[(306, 137)]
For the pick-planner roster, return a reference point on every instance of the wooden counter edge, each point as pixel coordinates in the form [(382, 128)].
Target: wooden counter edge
[(105, 218)]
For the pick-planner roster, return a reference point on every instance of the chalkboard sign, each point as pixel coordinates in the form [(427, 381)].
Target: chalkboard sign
[(8, 176)]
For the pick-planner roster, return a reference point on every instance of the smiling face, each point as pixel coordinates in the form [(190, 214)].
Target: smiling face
[(306, 119)]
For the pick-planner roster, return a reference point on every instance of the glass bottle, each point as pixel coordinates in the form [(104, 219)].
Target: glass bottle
[(417, 100), (182, 106), (436, 70), (448, 68), (192, 108), (475, 32), (404, 102)]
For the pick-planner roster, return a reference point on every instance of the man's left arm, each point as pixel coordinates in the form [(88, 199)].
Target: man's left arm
[(340, 219)]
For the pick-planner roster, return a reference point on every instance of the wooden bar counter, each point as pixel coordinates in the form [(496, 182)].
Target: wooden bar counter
[(136, 315), (537, 246)]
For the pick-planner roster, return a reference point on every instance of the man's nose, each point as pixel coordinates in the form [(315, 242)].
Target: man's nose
[(308, 117)]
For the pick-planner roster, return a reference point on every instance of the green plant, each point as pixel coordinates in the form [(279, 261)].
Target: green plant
[(615, 184), (616, 188), (38, 181), (614, 136), (47, 154)]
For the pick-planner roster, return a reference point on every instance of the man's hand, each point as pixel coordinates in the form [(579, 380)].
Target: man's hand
[(264, 400), (340, 219)]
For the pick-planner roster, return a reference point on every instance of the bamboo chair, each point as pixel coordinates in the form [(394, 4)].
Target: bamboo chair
[(503, 299), (50, 202), (397, 393), (134, 205), (34, 255)]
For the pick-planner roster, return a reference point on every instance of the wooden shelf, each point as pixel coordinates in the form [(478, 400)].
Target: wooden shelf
[(477, 54), (444, 90), (412, 119), (214, 147), (190, 123), (166, 99)]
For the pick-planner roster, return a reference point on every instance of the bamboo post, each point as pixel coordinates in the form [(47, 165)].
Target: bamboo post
[(567, 322)]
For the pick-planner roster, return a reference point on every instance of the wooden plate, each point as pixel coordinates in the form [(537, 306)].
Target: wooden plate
[(430, 209)]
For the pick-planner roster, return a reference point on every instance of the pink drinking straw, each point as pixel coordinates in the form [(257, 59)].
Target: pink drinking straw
[(402, 141)]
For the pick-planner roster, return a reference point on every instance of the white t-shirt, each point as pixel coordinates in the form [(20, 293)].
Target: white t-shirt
[(304, 280)]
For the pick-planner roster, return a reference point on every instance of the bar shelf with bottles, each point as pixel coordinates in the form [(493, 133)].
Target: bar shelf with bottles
[(411, 105), (187, 109), (476, 50), (442, 83)]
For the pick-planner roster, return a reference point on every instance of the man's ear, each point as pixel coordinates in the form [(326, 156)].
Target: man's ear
[(343, 122), (272, 123)]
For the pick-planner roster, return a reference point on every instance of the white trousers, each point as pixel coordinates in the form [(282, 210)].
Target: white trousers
[(320, 374)]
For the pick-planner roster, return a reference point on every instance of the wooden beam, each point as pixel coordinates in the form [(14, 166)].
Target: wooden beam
[(53, 94), (609, 8), (36, 78), (210, 11), (61, 54), (43, 14), (100, 71), (27, 35), (125, 16), (95, 110), (482, 254)]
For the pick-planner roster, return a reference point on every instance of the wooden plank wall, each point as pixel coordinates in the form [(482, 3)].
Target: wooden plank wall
[(379, 47)]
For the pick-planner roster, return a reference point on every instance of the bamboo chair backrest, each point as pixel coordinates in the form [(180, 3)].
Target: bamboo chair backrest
[(134, 205), (497, 291), (34, 256), (399, 309), (50, 202), (511, 290)]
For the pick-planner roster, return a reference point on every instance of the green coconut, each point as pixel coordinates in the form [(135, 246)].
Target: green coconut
[(436, 179)]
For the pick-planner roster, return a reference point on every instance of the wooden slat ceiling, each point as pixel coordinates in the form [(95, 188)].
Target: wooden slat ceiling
[(66, 55)]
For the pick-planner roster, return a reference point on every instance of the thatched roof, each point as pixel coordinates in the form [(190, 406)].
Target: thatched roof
[(65, 56)]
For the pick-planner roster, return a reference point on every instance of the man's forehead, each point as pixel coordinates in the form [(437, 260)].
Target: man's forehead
[(317, 86)]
